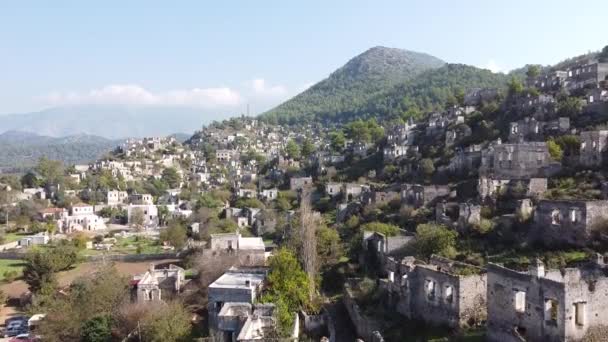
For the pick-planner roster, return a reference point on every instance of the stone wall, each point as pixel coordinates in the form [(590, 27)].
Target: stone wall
[(365, 326)]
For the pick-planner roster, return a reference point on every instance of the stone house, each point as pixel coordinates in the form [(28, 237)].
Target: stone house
[(516, 161), (354, 191), (586, 73), (375, 197), (550, 81), (457, 133), (141, 199), (380, 246), (116, 197), (265, 221), (149, 211), (393, 152), (442, 292), (478, 96), (269, 194), (568, 221), (552, 305), (333, 189), (531, 129), (469, 214), (299, 183), (247, 193), (421, 195), (226, 155), (237, 285), (465, 160), (597, 95), (251, 251), (489, 188), (593, 148), (157, 284)]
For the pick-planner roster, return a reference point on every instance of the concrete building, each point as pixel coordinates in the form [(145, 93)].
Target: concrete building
[(568, 221), (237, 285), (547, 305), (149, 212)]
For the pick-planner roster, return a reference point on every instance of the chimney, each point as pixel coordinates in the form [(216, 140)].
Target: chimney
[(537, 268), (247, 282)]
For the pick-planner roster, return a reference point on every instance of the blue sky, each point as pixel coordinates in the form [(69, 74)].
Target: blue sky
[(222, 55)]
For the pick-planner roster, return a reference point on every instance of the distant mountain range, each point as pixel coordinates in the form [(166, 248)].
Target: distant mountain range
[(383, 81), (21, 150), (112, 122)]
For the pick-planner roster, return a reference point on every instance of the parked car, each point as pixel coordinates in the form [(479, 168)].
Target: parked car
[(16, 327)]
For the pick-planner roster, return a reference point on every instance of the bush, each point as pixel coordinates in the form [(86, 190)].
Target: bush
[(382, 228), (484, 226), (433, 238)]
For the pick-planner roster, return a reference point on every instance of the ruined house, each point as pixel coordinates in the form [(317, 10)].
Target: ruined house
[(333, 189), (529, 129), (490, 188), (250, 251), (299, 183), (593, 148), (245, 322), (552, 305), (568, 221), (442, 292), (157, 284), (456, 134), (478, 96), (465, 160), (517, 160), (421, 195), (375, 197)]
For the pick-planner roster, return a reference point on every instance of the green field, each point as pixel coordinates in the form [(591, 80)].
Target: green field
[(11, 265), (130, 245)]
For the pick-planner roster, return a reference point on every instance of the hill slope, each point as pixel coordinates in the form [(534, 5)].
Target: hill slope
[(21, 149), (353, 85), (113, 122)]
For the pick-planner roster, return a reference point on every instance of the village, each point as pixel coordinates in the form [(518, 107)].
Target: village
[(485, 221)]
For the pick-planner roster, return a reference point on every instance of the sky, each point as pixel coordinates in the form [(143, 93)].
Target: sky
[(222, 55)]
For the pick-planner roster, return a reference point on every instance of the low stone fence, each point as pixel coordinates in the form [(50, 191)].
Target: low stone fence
[(366, 327), (14, 255)]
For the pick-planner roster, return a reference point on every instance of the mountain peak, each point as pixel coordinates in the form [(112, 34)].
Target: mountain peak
[(361, 78)]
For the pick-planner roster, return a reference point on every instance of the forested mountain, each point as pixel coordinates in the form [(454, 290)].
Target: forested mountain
[(382, 82), (353, 85), (20, 150)]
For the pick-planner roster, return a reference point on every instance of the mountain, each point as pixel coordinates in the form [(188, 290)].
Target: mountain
[(382, 82), (354, 84), (21, 150), (111, 122)]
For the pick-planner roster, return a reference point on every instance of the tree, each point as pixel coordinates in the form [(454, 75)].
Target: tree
[(603, 56), (433, 238), (29, 180), (555, 150), (166, 323), (515, 87), (51, 171), (329, 249), (427, 167), (533, 71), (42, 265), (308, 148), (138, 219), (569, 106), (292, 150), (380, 227), (309, 221), (337, 141), (249, 203), (97, 329), (175, 234), (171, 177), (287, 287)]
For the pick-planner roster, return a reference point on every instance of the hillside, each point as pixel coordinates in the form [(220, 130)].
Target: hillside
[(112, 122), (353, 85), (21, 149)]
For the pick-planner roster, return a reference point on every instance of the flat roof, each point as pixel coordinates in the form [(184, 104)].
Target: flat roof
[(237, 279)]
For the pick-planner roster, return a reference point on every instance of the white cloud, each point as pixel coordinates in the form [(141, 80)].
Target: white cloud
[(493, 66), (261, 88), (136, 95)]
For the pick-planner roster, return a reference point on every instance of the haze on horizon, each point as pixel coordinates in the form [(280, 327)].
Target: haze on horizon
[(219, 58)]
